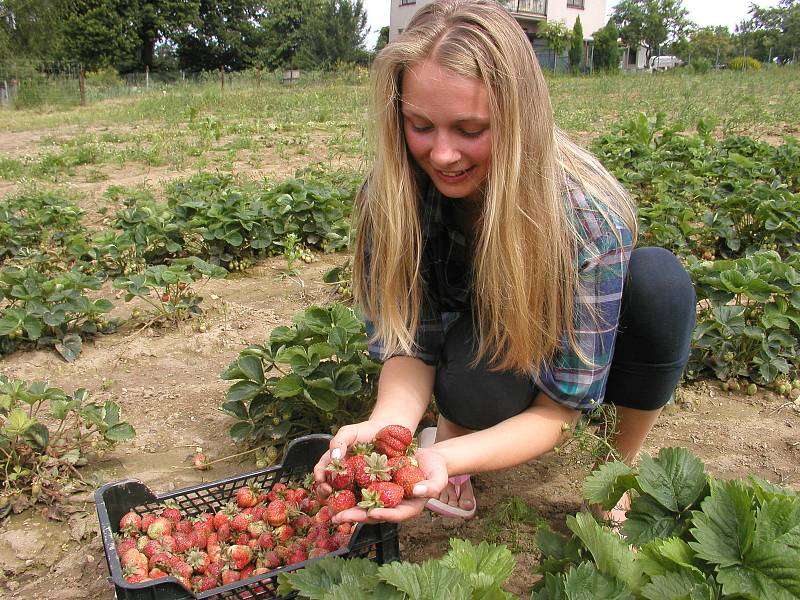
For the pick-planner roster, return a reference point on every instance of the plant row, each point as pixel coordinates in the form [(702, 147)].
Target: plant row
[(731, 210)]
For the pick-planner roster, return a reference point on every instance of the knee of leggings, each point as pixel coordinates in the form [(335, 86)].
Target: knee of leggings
[(658, 305)]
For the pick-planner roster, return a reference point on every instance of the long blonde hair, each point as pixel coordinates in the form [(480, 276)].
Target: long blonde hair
[(525, 272)]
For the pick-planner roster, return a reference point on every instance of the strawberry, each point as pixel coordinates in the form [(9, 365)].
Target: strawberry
[(317, 553), (183, 541), (135, 574), (276, 512), (339, 474), (240, 556), (341, 500), (241, 521), (172, 512), (376, 468), (407, 477), (341, 540), (160, 560), (283, 533), (298, 555), (198, 560), (159, 527), (134, 558), (184, 526), (225, 515), (157, 573), (124, 545), (247, 497), (323, 515), (301, 522), (200, 462), (393, 440), (229, 576), (203, 583), (152, 547), (181, 569), (168, 543), (381, 494), (130, 523), (266, 541)]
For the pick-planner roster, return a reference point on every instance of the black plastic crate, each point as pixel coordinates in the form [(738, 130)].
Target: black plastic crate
[(378, 542)]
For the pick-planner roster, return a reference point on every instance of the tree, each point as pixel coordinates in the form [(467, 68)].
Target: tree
[(558, 37), (652, 22), (383, 39), (576, 48), (779, 27), (283, 32), (224, 34), (711, 43), (158, 20), (97, 32), (334, 34), (32, 29), (607, 54)]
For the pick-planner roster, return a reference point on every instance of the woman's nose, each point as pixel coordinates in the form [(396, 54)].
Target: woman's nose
[(444, 153)]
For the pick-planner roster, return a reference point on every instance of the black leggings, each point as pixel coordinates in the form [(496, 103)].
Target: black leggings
[(651, 351)]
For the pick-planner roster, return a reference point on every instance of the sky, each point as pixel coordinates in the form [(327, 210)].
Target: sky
[(702, 12)]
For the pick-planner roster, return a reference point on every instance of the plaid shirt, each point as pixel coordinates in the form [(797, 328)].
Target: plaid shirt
[(447, 273)]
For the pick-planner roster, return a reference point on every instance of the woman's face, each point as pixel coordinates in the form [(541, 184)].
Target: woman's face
[(446, 124)]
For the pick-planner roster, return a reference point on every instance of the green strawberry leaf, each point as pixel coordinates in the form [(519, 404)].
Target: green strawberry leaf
[(778, 520), (428, 581), (550, 588), (70, 347), (676, 479), (678, 585), (648, 520), (586, 582), (611, 554), (768, 571), (660, 557), (607, 484), (725, 528), (494, 562)]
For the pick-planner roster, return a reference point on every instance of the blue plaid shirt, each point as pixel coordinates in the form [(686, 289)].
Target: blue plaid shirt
[(447, 273)]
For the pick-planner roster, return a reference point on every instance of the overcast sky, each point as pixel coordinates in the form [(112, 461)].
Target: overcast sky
[(702, 12)]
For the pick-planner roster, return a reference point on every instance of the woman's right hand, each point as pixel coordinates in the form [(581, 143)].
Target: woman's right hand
[(346, 436)]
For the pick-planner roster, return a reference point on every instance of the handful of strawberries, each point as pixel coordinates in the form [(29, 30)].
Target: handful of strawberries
[(376, 475)]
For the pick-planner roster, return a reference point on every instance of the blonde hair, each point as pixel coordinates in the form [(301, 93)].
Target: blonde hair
[(525, 272)]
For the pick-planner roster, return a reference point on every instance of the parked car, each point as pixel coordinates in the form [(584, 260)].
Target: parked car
[(662, 63)]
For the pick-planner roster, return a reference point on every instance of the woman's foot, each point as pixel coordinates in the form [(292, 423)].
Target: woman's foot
[(463, 498)]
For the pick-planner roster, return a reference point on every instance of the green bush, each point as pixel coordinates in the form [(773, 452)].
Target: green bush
[(744, 63), (701, 65)]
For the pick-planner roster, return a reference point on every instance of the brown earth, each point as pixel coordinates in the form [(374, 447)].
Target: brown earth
[(168, 385)]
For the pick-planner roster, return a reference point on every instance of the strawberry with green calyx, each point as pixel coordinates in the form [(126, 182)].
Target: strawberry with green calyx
[(247, 496), (224, 516), (341, 500), (376, 468), (339, 474), (203, 583), (240, 556), (275, 514), (171, 511), (393, 440), (130, 523), (381, 494)]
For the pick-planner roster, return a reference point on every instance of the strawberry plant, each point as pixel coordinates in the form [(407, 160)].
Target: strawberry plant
[(149, 227), (465, 571), (38, 223), (45, 434), (50, 311), (312, 376), (341, 279), (687, 536), (748, 324), (168, 288)]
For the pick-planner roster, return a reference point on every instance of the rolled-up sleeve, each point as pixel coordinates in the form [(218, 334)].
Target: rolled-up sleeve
[(578, 379)]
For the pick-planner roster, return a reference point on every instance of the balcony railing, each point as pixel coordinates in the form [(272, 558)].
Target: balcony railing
[(536, 7)]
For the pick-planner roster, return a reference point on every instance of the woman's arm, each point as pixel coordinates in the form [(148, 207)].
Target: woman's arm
[(404, 392), (528, 435)]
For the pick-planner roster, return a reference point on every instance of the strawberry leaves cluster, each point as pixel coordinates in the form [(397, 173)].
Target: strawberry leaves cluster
[(255, 533), (376, 475)]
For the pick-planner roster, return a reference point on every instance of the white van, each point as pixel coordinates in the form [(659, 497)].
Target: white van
[(662, 63)]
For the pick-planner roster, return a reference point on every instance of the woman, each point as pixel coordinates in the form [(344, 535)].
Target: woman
[(490, 261)]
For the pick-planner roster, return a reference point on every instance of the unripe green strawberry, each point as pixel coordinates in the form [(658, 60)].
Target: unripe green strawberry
[(393, 440)]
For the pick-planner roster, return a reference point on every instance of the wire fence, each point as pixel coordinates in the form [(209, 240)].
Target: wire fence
[(34, 85)]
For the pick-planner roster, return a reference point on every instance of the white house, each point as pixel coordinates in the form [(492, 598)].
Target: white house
[(528, 13)]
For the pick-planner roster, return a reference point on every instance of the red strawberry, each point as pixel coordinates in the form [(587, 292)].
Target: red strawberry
[(272, 560), (247, 497), (393, 440), (124, 545), (276, 513), (381, 494), (157, 573), (160, 560), (203, 583), (341, 540), (407, 477), (266, 541), (341, 500), (134, 558), (229, 576), (183, 541), (130, 523), (376, 468), (184, 526), (152, 547), (241, 521), (168, 543), (317, 553), (198, 560), (147, 520), (240, 556), (172, 512), (298, 555), (283, 533), (225, 515), (339, 474), (323, 515), (201, 462), (181, 570)]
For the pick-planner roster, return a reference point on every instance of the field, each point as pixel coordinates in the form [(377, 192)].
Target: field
[(167, 379)]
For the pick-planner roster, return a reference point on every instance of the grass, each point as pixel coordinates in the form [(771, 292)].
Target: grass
[(194, 125)]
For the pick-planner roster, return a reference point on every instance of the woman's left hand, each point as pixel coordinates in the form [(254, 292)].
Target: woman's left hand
[(434, 466)]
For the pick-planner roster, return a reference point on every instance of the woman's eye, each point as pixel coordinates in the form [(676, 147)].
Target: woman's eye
[(421, 129), (472, 134)]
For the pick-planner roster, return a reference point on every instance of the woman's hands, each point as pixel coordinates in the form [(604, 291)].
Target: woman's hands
[(430, 461)]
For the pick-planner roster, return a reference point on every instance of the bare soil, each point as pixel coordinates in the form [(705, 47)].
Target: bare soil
[(168, 385)]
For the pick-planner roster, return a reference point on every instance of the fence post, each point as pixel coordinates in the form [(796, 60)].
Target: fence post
[(147, 77), (221, 78), (82, 84)]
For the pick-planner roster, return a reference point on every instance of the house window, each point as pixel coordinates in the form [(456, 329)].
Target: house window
[(404, 2), (575, 4)]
